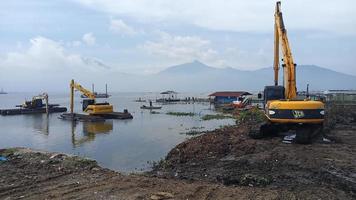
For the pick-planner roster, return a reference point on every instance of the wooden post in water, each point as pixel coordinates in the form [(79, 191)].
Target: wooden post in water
[(46, 99), (72, 96), (106, 89)]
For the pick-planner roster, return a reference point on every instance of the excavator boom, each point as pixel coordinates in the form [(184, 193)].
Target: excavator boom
[(80, 88), (89, 105), (289, 65), (282, 109)]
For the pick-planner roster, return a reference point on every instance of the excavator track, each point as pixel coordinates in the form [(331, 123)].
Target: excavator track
[(264, 130), (305, 133)]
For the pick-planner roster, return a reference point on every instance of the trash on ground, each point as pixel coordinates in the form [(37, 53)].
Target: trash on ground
[(2, 158)]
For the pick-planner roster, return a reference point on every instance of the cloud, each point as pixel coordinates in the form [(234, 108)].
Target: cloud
[(236, 15), (76, 43), (119, 26), (47, 65), (181, 48), (89, 39), (45, 54)]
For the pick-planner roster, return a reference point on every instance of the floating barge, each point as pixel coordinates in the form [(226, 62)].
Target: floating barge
[(117, 115), (80, 117), (95, 118), (22, 111), (35, 106)]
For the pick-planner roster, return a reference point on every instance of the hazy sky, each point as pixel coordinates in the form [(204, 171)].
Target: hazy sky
[(65, 38)]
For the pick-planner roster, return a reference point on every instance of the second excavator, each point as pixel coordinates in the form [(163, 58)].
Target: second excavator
[(282, 108), (97, 111), (90, 105)]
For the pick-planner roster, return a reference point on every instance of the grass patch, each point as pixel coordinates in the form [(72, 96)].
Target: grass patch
[(160, 164), (8, 152), (216, 116), (253, 115), (181, 113)]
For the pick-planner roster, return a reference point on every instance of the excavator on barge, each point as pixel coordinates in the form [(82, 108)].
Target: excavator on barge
[(95, 111), (282, 108)]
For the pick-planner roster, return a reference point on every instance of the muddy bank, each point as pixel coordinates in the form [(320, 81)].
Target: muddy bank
[(29, 174), (254, 169), (229, 156)]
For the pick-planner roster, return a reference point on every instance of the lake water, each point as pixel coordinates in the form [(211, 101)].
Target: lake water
[(123, 145)]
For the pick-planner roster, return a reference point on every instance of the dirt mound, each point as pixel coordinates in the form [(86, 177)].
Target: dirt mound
[(215, 144), (230, 157)]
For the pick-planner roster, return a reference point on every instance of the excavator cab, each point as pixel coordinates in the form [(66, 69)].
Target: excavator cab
[(87, 102), (273, 93), (34, 103)]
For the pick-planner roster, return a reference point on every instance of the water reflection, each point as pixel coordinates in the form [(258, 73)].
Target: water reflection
[(89, 131), (40, 123), (97, 127)]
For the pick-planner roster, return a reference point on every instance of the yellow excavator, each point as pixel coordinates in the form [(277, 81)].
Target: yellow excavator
[(283, 110), (89, 105)]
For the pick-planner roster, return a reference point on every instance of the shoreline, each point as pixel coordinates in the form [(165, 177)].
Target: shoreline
[(202, 174)]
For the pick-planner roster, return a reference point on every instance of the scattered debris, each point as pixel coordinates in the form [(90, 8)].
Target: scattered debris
[(289, 138), (162, 196), (326, 140)]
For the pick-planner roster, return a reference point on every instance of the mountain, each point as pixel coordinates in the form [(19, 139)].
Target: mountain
[(188, 77), (188, 68), (197, 76)]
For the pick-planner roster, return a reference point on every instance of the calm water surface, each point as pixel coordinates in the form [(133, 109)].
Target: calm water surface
[(123, 145)]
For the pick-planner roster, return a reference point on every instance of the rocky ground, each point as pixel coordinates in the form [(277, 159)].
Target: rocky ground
[(221, 164), (229, 157), (30, 174)]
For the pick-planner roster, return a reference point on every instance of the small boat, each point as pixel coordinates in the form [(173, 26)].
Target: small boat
[(2, 91), (150, 107)]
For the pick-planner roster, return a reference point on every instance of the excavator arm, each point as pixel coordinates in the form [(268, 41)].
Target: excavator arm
[(89, 105), (80, 88), (77, 86), (289, 65)]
